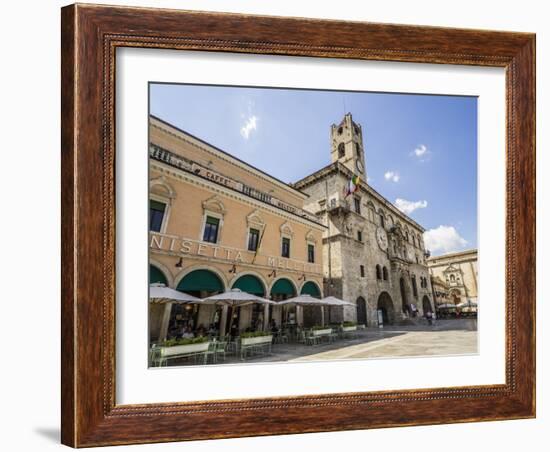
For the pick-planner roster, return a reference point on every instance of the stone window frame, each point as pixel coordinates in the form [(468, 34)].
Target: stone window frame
[(385, 273), (166, 199), (371, 211), (341, 150), (213, 207), (382, 218), (414, 286), (254, 221), (311, 240), (287, 232), (165, 214), (357, 204), (378, 272), (308, 244)]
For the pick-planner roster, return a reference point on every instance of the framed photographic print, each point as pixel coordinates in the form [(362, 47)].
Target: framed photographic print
[(281, 225)]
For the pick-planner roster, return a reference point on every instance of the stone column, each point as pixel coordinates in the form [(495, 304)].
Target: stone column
[(223, 320), (266, 317), (165, 322)]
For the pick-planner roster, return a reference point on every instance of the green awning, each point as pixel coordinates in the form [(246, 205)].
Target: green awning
[(311, 288), (156, 276), (250, 284), (201, 280), (283, 286)]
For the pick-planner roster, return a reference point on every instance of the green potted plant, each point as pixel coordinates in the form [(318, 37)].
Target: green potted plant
[(349, 326)]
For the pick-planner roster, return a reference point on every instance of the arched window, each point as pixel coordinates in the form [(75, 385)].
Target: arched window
[(385, 273), (341, 150), (382, 221), (378, 272), (452, 278), (414, 240)]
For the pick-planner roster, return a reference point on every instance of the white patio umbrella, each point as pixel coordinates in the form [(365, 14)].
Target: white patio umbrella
[(467, 307), (306, 300), (336, 302), (159, 293), (235, 298), (333, 301), (446, 306), (303, 300)]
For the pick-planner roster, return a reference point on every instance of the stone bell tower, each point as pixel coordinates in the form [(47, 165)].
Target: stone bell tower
[(347, 146)]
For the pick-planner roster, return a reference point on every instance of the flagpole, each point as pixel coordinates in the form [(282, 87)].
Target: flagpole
[(259, 243)]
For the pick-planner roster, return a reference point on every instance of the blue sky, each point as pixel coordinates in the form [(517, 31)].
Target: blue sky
[(420, 150)]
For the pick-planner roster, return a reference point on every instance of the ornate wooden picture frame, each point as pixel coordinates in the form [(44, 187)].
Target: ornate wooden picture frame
[(90, 37)]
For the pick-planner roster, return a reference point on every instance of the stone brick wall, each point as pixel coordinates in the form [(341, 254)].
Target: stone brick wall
[(344, 252)]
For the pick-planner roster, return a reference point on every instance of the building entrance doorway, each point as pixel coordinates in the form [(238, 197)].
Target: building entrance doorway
[(426, 305), (385, 305), (361, 311)]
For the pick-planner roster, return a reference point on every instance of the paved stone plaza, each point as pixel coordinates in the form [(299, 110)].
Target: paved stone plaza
[(446, 337)]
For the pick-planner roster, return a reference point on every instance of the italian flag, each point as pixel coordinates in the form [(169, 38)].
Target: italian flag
[(352, 186)]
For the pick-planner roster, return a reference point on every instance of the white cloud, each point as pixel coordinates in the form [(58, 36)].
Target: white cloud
[(250, 125), (444, 239), (409, 207), (420, 150), (391, 176)]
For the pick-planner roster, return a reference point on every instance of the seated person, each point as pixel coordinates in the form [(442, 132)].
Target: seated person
[(274, 327), (201, 330), (187, 333)]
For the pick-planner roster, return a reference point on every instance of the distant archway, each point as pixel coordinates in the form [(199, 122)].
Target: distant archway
[(311, 315), (254, 285), (250, 284), (426, 305), (310, 288), (201, 283), (282, 289), (385, 304), (156, 276), (361, 311)]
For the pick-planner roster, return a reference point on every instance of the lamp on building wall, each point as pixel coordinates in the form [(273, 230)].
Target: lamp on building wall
[(302, 278), (179, 264), (272, 274), (233, 269)]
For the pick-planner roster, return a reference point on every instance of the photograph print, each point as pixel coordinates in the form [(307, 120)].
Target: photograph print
[(294, 225)]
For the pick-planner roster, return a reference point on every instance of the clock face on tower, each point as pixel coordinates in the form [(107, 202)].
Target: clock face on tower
[(382, 238), (359, 166)]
